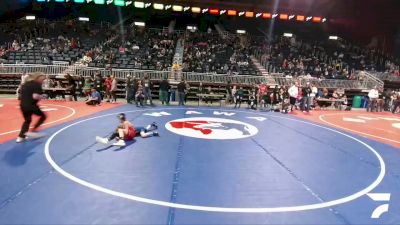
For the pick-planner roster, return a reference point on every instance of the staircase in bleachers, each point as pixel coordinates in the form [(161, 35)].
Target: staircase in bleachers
[(259, 67), (176, 69)]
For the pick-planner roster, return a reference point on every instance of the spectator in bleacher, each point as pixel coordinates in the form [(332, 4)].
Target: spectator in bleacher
[(71, 86), (181, 92), (15, 45), (30, 44), (3, 54), (373, 96), (164, 87)]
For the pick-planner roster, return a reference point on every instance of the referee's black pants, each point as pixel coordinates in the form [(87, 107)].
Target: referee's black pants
[(27, 113)]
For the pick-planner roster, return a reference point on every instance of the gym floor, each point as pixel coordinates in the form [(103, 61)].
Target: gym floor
[(208, 166)]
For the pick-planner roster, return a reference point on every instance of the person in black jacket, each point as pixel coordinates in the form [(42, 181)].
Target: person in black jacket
[(31, 93), (128, 89), (181, 92), (135, 87), (147, 86), (80, 85), (71, 86), (306, 100), (229, 93), (164, 87), (99, 85)]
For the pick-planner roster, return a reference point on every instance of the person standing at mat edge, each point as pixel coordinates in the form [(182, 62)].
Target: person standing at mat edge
[(31, 93)]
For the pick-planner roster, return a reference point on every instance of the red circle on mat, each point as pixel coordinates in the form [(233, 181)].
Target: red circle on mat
[(378, 126), (11, 117)]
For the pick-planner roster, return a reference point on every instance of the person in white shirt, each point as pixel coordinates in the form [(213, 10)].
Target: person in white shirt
[(373, 95), (234, 91), (293, 94), (314, 91), (396, 101), (114, 89), (15, 45)]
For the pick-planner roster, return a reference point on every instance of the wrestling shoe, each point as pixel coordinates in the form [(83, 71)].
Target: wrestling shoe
[(154, 124), (156, 134), (35, 135), (120, 143), (20, 139), (102, 140)]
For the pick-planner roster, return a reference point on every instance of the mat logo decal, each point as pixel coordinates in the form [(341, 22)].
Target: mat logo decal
[(211, 128)]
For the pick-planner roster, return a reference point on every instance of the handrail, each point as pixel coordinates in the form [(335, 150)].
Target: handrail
[(272, 79), (385, 76), (371, 77)]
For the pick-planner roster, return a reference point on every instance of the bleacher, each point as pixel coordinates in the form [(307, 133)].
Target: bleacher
[(60, 41), (328, 59), (143, 49), (208, 53)]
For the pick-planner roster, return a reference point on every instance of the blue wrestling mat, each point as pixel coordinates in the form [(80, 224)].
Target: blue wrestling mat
[(208, 166)]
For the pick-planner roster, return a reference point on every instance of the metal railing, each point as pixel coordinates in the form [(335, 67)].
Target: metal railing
[(272, 79), (371, 77), (385, 76), (223, 79), (29, 68)]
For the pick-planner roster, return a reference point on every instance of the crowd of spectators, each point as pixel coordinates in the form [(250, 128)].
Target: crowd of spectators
[(147, 49), (140, 48), (52, 41), (209, 52), (329, 59)]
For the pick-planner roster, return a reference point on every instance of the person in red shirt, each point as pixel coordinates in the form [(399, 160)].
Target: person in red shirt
[(108, 85), (262, 90), (127, 132), (74, 44)]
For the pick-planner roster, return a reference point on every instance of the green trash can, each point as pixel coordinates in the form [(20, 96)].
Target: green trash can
[(357, 101)]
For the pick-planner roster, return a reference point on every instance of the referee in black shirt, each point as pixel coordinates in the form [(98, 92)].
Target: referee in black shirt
[(31, 93)]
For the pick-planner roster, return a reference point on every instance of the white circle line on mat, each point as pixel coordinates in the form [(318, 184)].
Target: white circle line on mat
[(73, 112), (321, 117), (327, 204)]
